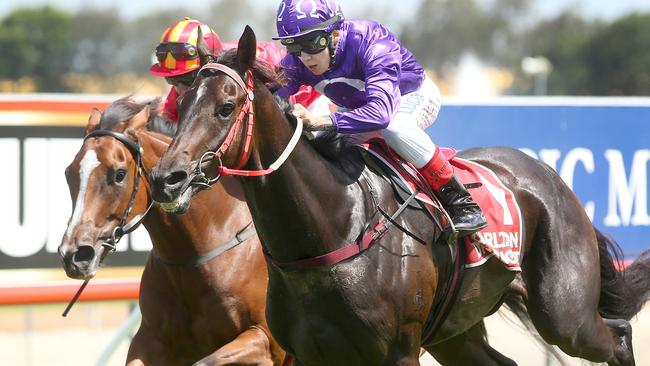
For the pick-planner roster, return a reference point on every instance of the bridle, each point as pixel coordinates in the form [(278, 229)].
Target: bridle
[(247, 110), (123, 227)]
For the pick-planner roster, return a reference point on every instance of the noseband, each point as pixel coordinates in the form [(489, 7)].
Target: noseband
[(123, 227), (247, 110)]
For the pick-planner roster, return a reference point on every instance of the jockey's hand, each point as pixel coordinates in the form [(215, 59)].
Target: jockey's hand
[(311, 121)]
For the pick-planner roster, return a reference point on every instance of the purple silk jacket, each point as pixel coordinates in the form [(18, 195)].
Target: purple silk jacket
[(371, 71)]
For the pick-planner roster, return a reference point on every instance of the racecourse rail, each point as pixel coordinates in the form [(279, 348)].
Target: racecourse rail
[(63, 290)]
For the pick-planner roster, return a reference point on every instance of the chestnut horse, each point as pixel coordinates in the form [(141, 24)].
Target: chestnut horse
[(203, 290), (371, 307)]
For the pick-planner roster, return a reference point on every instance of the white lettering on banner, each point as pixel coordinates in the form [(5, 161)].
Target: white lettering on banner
[(623, 193), (627, 198), (27, 239), (46, 201), (551, 157), (47, 205)]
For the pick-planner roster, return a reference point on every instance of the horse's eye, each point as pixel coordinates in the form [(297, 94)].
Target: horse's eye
[(226, 110), (120, 175)]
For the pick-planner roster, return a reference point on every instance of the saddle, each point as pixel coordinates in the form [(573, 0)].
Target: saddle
[(503, 235), (494, 198)]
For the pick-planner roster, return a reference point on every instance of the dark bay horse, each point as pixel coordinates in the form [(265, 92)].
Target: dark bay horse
[(371, 308), (203, 290)]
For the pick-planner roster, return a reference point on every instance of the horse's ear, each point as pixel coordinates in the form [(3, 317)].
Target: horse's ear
[(93, 121), (247, 49), (205, 56), (140, 120)]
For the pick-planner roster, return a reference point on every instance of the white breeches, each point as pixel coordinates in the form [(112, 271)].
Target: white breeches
[(405, 133)]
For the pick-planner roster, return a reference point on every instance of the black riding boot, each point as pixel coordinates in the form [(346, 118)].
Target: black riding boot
[(465, 213)]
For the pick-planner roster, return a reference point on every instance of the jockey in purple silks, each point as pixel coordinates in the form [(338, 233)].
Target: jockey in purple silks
[(378, 87)]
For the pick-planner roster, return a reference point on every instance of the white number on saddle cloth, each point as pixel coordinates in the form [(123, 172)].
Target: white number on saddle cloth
[(500, 197), (502, 237)]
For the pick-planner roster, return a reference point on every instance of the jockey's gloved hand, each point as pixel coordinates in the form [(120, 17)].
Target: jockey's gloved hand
[(312, 122)]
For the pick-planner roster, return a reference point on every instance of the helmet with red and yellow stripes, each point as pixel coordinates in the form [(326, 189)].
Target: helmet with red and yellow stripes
[(177, 52)]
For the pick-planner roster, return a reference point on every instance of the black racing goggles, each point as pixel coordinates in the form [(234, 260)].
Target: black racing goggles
[(179, 50), (311, 44), (184, 79)]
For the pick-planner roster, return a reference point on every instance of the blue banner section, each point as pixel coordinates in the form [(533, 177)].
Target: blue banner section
[(601, 151)]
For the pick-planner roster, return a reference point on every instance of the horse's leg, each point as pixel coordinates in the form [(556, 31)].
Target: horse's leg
[(251, 347), (469, 348), (562, 274), (144, 349)]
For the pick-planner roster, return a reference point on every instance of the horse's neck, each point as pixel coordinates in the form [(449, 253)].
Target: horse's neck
[(305, 208), (213, 218)]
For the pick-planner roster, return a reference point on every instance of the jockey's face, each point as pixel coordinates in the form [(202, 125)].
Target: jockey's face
[(319, 63), (182, 82), (181, 89)]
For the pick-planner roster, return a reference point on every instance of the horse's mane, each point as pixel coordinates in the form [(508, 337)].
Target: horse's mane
[(262, 70), (125, 108), (331, 145)]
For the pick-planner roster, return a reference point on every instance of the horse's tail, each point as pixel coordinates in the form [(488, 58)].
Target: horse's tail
[(623, 292), (514, 301)]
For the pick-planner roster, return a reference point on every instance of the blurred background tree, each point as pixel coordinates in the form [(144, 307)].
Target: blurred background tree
[(35, 43), (49, 50), (617, 58), (445, 30), (561, 40)]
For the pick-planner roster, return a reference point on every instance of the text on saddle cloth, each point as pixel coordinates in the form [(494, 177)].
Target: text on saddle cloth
[(502, 237)]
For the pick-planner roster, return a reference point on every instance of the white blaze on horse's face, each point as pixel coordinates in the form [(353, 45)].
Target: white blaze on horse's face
[(86, 167)]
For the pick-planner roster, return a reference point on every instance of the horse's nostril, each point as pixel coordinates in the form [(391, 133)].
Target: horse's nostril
[(85, 253), (175, 177)]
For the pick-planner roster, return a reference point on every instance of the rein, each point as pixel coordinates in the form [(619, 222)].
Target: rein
[(246, 111), (122, 228)]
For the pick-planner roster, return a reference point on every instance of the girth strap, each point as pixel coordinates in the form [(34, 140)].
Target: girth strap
[(366, 240)]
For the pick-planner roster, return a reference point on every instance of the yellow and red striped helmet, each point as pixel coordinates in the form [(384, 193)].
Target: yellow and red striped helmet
[(183, 36)]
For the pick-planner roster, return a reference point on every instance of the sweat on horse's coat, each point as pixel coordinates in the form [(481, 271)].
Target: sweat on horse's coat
[(371, 309)]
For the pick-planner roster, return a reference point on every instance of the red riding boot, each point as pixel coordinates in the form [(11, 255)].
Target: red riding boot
[(465, 213)]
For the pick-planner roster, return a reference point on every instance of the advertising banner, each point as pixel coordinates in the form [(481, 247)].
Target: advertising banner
[(598, 145)]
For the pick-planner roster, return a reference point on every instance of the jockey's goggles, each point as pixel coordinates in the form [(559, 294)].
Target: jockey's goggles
[(310, 43), (184, 79), (179, 50)]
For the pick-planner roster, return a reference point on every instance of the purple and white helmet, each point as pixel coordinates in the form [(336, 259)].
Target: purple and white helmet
[(296, 18)]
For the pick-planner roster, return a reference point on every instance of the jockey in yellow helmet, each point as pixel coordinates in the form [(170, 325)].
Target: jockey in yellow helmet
[(179, 63)]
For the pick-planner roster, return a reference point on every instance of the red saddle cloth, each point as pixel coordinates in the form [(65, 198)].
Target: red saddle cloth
[(502, 237)]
